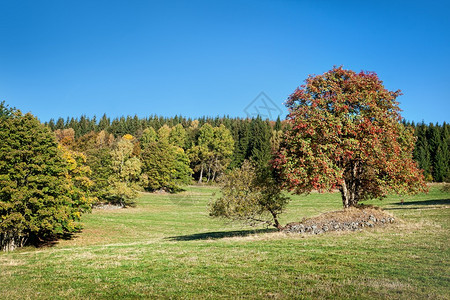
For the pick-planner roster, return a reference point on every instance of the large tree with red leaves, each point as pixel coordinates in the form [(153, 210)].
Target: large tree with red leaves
[(346, 133)]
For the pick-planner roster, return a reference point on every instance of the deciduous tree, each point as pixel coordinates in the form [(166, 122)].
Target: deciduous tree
[(250, 197), (127, 168), (347, 134)]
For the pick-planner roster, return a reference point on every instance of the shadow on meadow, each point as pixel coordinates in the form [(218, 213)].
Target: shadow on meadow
[(218, 235), (408, 204)]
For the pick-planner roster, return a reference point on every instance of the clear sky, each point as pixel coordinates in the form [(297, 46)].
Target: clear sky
[(66, 58)]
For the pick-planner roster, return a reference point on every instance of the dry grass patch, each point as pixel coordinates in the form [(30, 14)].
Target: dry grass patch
[(348, 215)]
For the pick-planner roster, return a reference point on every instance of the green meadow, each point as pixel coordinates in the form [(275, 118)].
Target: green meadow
[(168, 247)]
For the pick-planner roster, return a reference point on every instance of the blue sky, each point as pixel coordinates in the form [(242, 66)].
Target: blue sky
[(194, 58)]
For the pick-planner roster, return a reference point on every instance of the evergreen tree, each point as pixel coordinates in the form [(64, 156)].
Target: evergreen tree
[(51, 124), (439, 165), (241, 150), (38, 199), (60, 124), (104, 123), (261, 152), (5, 110), (277, 126)]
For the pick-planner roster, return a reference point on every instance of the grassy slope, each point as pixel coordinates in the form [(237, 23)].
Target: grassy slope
[(167, 246)]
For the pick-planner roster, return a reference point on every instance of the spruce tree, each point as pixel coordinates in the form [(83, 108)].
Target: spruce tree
[(260, 133)]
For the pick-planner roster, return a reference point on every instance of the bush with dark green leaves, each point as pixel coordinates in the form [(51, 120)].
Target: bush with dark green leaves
[(38, 200)]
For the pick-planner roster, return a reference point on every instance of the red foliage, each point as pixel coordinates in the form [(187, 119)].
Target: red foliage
[(347, 133)]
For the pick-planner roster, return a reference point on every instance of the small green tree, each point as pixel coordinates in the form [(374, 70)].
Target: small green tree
[(166, 166), (250, 197), (148, 136), (177, 136), (127, 168)]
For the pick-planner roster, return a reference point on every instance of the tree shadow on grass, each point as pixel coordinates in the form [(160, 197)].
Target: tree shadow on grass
[(408, 204), (51, 241), (218, 235)]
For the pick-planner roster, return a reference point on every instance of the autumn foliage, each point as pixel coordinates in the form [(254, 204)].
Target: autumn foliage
[(346, 133)]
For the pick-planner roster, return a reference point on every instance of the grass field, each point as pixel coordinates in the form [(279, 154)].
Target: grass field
[(168, 247)]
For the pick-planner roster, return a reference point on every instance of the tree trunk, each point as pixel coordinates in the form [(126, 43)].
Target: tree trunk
[(276, 224), (351, 185), (214, 176), (209, 173), (350, 194), (12, 240), (201, 175), (345, 195), (215, 170)]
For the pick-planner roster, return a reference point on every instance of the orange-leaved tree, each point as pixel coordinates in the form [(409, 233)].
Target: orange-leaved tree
[(346, 133)]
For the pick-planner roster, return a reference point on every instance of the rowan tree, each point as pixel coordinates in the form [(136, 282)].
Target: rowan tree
[(346, 133)]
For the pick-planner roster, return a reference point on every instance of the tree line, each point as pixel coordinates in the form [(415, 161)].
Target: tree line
[(432, 150), (128, 153), (50, 175), (257, 140)]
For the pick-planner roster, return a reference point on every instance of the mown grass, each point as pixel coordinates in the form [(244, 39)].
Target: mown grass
[(168, 247)]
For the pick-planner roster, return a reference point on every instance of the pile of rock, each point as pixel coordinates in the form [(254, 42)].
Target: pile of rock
[(107, 206), (346, 220)]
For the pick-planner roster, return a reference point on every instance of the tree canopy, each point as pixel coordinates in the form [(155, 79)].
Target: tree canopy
[(346, 133), (42, 189)]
